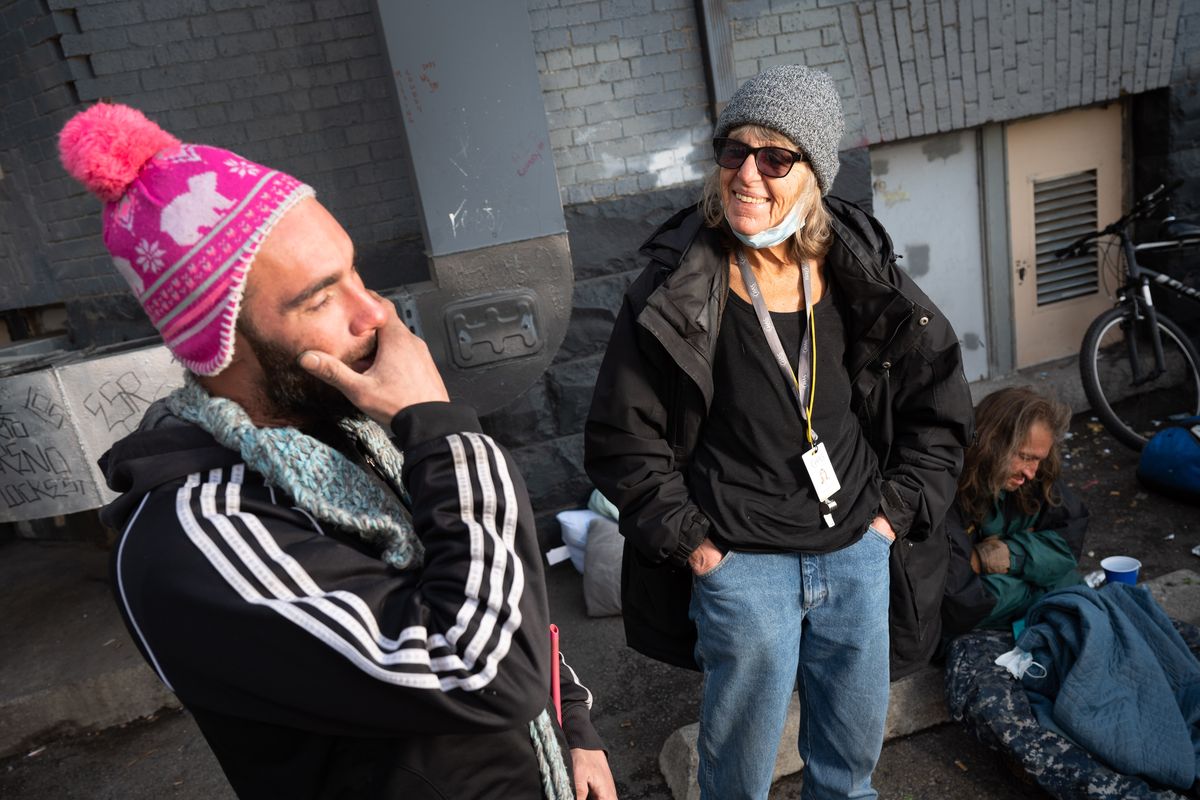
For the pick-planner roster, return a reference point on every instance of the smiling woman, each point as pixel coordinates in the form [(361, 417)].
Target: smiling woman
[(743, 423)]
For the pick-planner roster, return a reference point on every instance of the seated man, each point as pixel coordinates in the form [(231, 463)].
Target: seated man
[(1016, 531), (343, 615)]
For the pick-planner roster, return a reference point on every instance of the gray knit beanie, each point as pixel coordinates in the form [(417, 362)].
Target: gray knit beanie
[(802, 104)]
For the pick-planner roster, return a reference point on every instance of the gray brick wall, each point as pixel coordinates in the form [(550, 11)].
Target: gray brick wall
[(625, 94), (42, 240), (929, 66), (302, 85), (1183, 53)]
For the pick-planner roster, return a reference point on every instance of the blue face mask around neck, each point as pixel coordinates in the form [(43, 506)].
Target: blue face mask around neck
[(772, 236)]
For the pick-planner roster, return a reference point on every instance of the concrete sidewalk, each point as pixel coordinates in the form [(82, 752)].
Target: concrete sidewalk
[(71, 667), (68, 663)]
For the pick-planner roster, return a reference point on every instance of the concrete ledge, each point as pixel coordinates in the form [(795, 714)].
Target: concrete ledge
[(917, 702), (111, 698), (68, 664)]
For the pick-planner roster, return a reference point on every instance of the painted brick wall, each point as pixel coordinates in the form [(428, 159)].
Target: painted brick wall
[(927, 66), (625, 94), (43, 238)]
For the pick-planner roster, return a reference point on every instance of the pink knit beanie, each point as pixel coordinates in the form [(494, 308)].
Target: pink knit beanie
[(183, 223)]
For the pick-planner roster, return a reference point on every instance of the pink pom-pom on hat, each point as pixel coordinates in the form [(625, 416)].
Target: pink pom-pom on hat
[(105, 147), (183, 223)]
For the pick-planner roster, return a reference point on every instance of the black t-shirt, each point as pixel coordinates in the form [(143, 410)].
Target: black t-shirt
[(747, 474)]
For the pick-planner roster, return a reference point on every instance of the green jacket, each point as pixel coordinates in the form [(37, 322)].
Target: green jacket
[(1044, 550)]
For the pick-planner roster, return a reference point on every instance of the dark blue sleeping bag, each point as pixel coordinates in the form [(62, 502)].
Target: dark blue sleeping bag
[(1098, 744)]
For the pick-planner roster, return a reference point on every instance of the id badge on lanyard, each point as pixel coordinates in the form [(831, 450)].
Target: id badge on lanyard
[(802, 380)]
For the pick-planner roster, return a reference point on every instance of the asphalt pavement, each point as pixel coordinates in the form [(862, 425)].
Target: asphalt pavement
[(638, 702)]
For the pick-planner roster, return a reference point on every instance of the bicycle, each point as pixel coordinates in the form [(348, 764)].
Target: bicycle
[(1139, 368)]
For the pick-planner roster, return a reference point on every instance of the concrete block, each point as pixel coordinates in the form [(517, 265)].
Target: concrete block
[(634, 87), (600, 132), (243, 43), (648, 65), (329, 9), (556, 81), (1178, 593), (680, 762), (794, 42), (121, 85), (59, 421), (871, 40), (904, 33), (606, 72), (663, 101), (767, 26), (355, 26), (280, 14), (611, 109), (759, 48), (916, 702), (552, 38), (682, 40), (647, 24), (570, 16), (115, 15), (588, 95), (93, 42), (922, 56), (558, 59)]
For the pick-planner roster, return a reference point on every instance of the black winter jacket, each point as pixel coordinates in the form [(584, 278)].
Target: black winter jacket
[(313, 668), (655, 387)]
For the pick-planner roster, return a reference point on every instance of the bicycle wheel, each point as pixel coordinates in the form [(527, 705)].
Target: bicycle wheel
[(1132, 413)]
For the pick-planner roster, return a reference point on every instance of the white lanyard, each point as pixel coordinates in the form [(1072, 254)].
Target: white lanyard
[(797, 379)]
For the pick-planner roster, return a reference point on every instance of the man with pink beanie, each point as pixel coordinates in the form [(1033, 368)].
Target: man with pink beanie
[(322, 556)]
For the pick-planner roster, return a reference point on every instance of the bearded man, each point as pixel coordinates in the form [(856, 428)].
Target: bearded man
[(1016, 530), (343, 613)]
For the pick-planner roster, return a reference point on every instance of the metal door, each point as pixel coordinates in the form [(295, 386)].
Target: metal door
[(926, 193), (1064, 179)]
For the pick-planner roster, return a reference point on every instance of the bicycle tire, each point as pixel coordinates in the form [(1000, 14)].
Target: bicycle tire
[(1133, 414)]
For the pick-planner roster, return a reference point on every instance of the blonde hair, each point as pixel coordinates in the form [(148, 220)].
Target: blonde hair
[(811, 241)]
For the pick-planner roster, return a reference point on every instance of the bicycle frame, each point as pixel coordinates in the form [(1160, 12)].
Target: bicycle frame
[(1137, 291)]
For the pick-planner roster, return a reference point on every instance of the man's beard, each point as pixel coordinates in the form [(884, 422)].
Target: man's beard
[(292, 393)]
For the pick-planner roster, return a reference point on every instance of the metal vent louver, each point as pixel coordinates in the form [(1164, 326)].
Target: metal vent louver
[(1063, 210)]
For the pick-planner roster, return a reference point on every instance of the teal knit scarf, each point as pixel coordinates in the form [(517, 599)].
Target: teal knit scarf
[(335, 490)]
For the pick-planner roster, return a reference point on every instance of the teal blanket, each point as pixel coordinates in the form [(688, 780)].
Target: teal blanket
[(1119, 680)]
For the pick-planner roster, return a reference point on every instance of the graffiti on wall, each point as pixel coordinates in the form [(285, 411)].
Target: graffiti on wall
[(119, 403), (30, 470), (55, 424)]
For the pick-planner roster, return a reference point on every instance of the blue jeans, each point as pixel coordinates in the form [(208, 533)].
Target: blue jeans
[(770, 621)]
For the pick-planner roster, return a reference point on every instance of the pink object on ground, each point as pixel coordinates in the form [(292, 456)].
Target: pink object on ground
[(555, 688)]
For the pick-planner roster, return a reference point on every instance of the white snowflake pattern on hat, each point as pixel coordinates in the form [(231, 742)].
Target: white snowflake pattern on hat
[(150, 256), (241, 167)]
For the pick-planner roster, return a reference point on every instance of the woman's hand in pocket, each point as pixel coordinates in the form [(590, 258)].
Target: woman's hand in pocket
[(705, 557)]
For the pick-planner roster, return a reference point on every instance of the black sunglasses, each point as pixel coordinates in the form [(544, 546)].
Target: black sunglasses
[(772, 162)]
